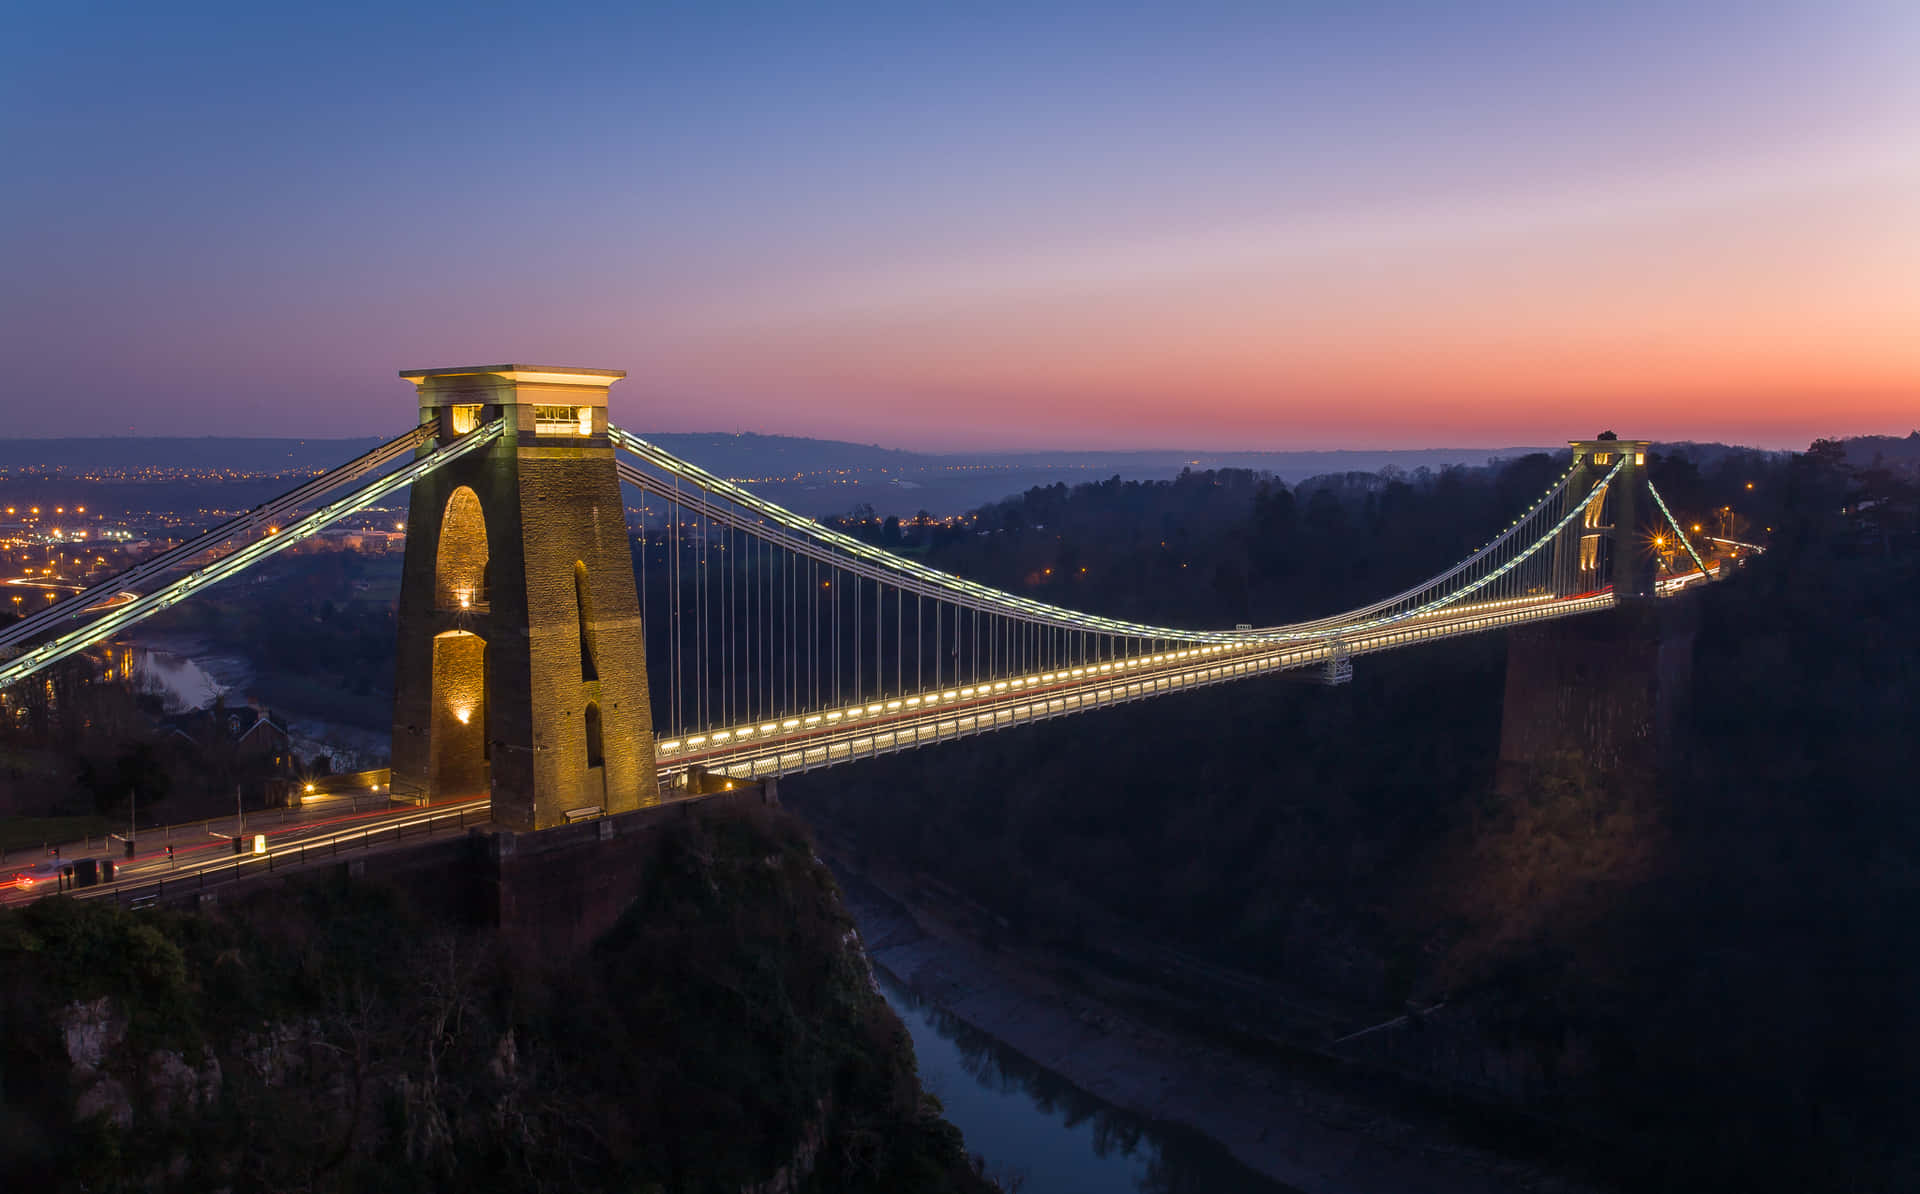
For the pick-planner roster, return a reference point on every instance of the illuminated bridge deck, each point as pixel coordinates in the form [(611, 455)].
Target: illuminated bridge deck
[(795, 744)]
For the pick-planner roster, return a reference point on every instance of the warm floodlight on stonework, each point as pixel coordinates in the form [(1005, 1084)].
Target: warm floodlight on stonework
[(521, 670)]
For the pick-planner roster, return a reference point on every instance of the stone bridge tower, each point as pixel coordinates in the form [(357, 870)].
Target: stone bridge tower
[(1604, 546), (521, 667)]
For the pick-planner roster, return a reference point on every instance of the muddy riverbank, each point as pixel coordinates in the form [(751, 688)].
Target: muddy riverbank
[(1318, 1132)]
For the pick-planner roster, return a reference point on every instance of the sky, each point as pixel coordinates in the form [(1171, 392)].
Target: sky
[(1282, 225)]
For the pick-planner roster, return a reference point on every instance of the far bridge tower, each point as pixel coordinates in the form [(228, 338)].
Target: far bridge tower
[(521, 666), (1604, 546)]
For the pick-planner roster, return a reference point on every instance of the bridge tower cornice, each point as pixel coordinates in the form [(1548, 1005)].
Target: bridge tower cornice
[(535, 401)]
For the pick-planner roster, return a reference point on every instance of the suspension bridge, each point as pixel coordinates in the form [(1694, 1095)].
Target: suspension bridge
[(545, 666)]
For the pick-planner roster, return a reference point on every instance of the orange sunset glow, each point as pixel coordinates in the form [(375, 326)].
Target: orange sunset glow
[(1487, 225)]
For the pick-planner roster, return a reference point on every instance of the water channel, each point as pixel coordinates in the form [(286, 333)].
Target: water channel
[(1034, 1126)]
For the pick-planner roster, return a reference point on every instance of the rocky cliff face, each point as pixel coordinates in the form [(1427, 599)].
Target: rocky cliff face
[(725, 1036)]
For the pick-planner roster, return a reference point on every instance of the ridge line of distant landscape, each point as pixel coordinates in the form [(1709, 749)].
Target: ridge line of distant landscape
[(1021, 454)]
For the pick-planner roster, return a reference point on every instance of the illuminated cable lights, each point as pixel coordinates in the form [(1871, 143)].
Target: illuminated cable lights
[(138, 610)]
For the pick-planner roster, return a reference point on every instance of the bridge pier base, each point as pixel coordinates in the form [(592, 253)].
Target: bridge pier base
[(1607, 690), (553, 892)]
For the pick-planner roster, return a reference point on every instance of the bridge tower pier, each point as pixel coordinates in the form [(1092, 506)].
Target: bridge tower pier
[(521, 667), (1607, 689)]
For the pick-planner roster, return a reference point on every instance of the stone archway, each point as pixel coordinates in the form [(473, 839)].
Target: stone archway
[(460, 762), (460, 564)]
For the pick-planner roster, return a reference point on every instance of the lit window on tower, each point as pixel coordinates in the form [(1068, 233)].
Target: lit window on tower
[(466, 417), (563, 420)]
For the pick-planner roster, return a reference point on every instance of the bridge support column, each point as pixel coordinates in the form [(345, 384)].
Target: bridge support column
[(521, 669), (1607, 690)]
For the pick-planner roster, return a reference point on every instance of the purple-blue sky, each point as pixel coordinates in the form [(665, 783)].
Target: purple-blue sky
[(1277, 225)]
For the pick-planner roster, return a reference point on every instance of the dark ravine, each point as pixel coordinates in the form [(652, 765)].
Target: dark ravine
[(1669, 927), (1319, 1131), (725, 1035)]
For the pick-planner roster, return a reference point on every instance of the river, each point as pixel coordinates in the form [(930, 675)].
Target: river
[(1046, 1134), (184, 675)]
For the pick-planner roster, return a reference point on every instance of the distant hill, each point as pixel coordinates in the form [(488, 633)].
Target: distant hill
[(730, 454), (747, 454), (1901, 453), (201, 452), (813, 476)]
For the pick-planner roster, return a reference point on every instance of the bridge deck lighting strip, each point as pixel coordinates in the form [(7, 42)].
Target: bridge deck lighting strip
[(267, 514), (121, 617), (811, 744), (1443, 624)]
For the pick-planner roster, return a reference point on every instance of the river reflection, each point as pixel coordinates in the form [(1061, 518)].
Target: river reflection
[(1035, 1126)]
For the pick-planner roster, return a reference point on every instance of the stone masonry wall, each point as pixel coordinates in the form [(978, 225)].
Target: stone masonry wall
[(1607, 689)]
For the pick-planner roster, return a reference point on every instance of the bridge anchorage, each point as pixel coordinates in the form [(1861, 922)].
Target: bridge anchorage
[(536, 657)]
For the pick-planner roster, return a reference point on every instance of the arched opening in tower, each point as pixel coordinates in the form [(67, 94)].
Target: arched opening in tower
[(458, 763), (596, 757), (460, 564), (1594, 532)]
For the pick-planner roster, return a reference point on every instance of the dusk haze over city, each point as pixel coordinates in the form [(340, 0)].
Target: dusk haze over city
[(1278, 225), (1303, 597)]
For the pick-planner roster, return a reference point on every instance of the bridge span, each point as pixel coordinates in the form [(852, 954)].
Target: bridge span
[(540, 678)]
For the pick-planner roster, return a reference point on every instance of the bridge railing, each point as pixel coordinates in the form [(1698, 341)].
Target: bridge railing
[(320, 849)]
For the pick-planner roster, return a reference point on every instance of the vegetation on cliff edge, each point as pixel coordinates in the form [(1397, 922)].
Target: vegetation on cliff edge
[(322, 1036)]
